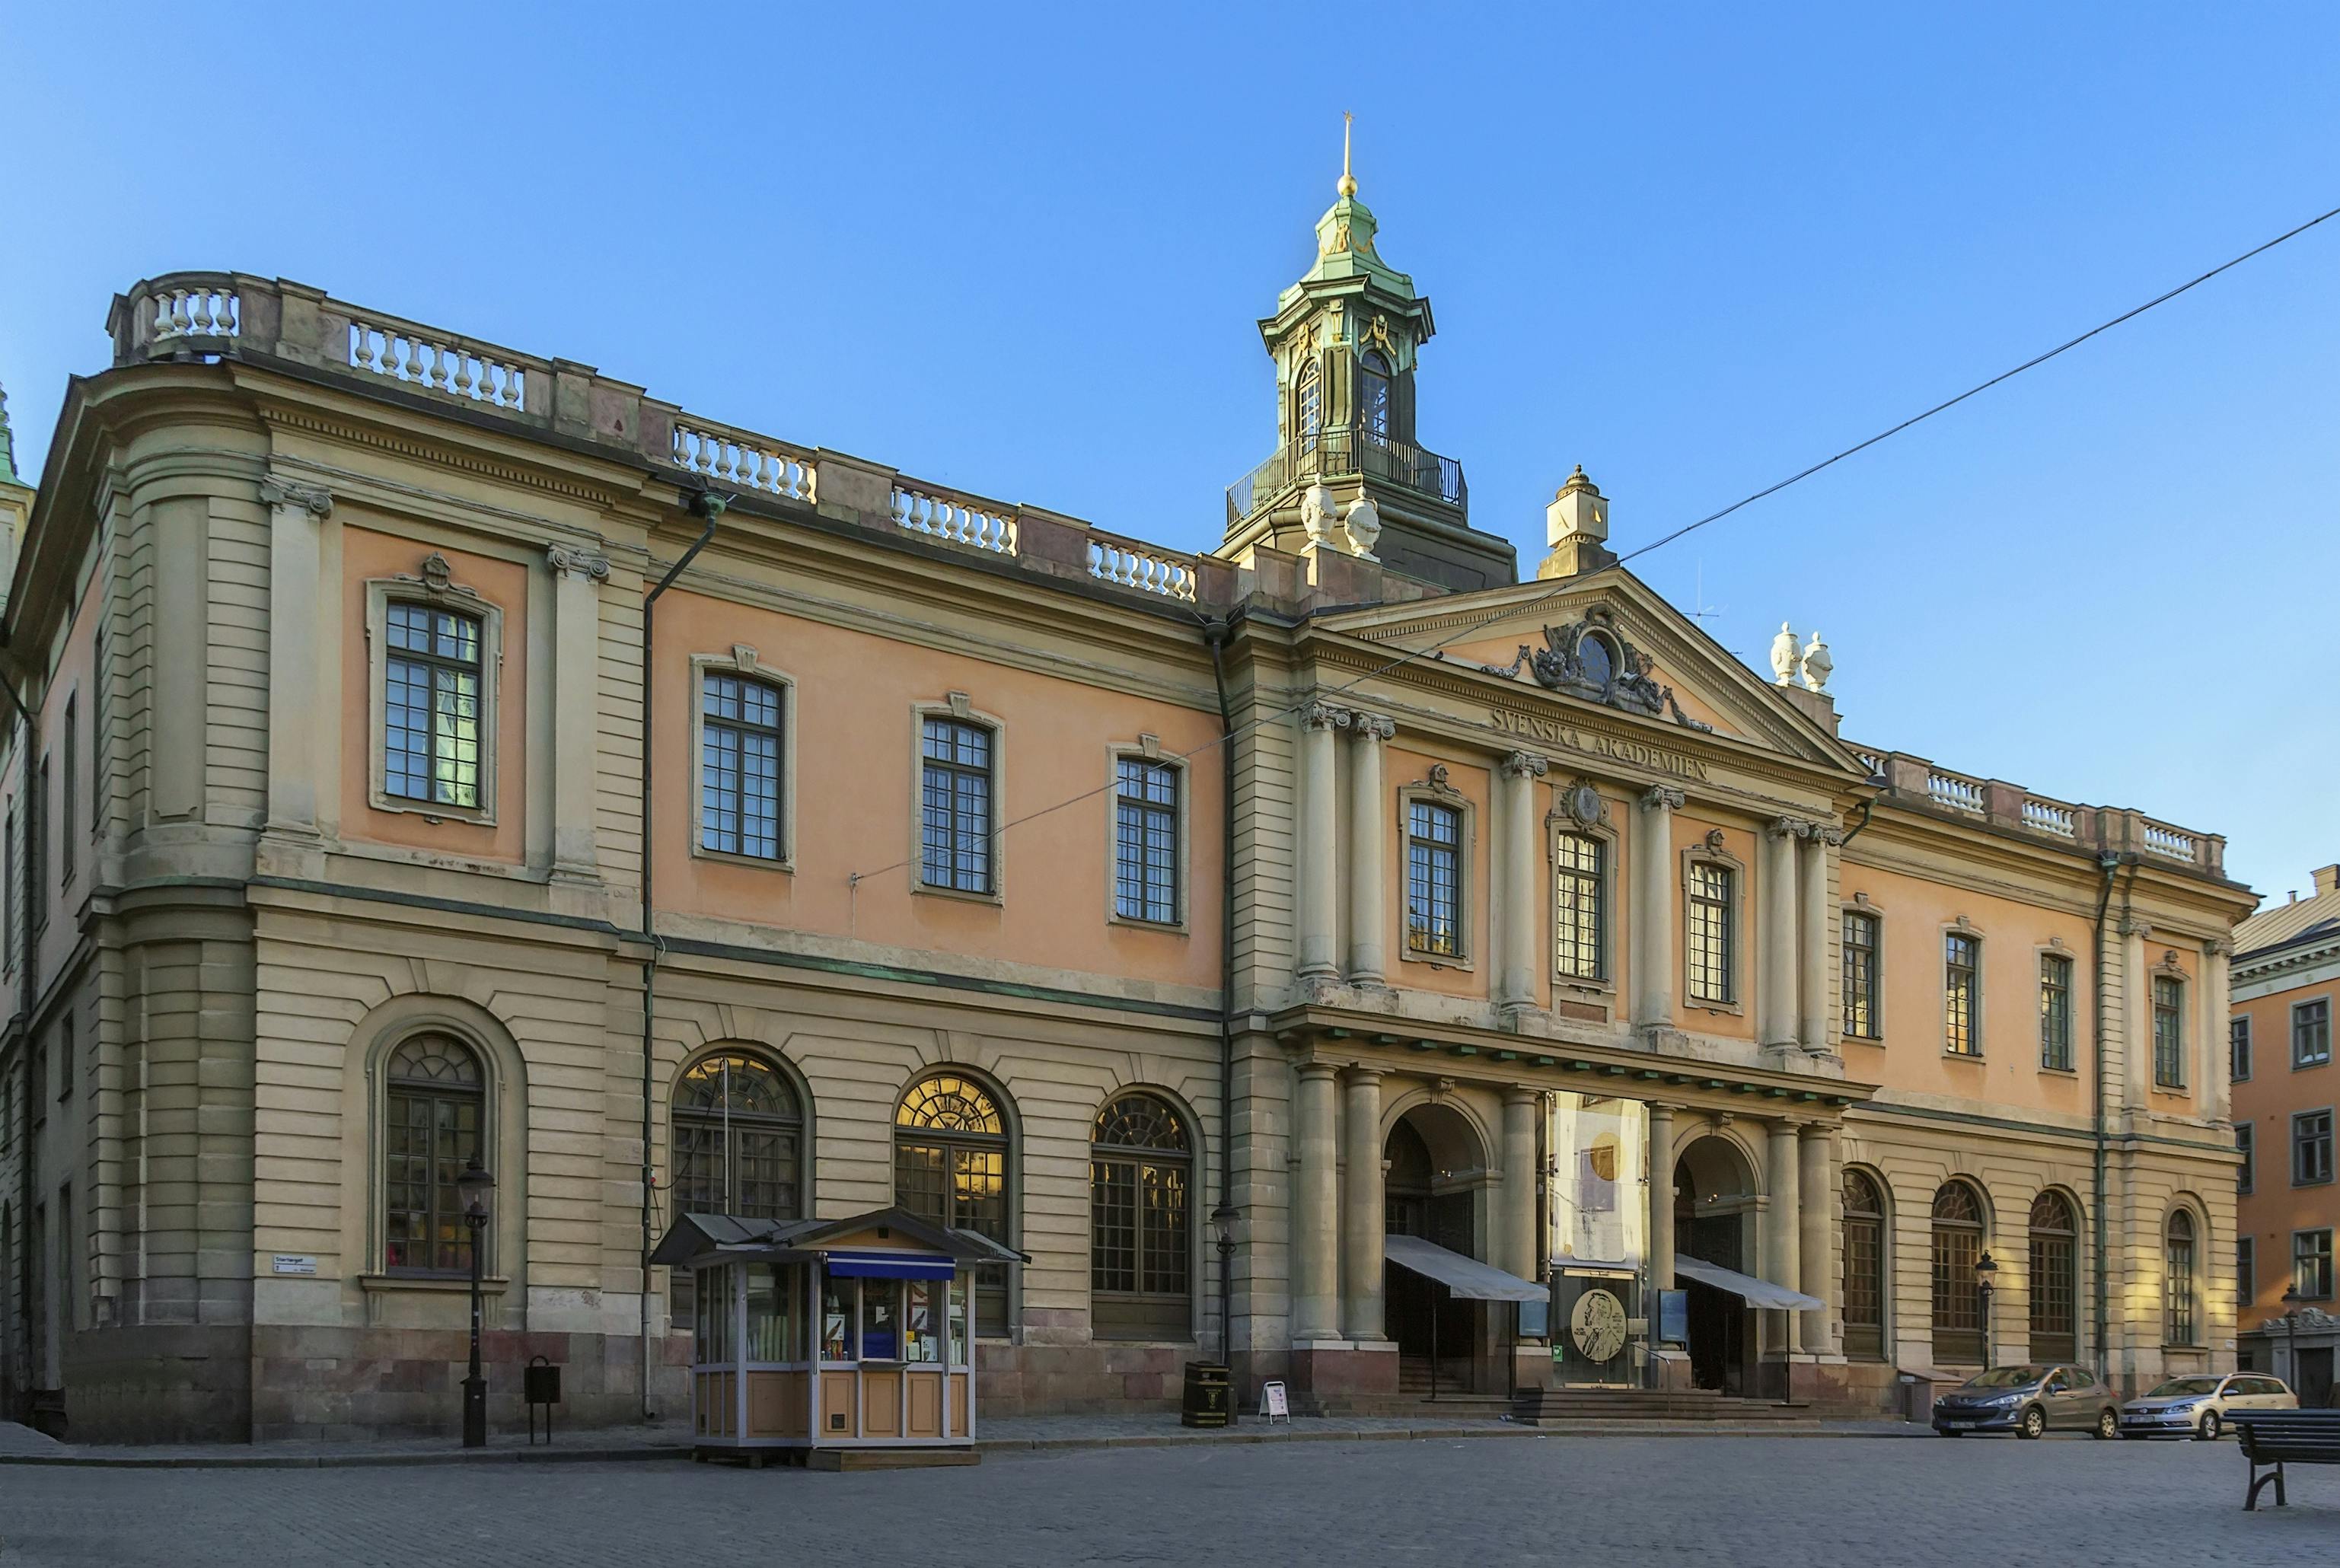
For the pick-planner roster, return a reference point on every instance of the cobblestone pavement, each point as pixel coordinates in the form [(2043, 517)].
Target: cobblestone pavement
[(1639, 1500)]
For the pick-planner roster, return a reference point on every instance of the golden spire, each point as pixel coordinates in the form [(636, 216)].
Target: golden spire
[(1348, 185)]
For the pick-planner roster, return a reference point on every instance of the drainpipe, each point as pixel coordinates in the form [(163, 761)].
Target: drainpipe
[(2109, 864), (1223, 1218), (709, 506)]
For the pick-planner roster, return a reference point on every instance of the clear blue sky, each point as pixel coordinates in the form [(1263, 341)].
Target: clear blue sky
[(1023, 252)]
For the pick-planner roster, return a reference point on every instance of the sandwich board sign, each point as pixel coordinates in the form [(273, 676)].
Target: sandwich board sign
[(1273, 1402)]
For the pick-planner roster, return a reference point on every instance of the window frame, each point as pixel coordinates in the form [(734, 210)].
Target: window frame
[(2169, 1052), (2323, 1024), (1147, 750), (1466, 846), (743, 663), (69, 791), (2051, 1059), (2246, 1174), (1972, 970), (1187, 1159), (380, 593), (2299, 1258), (1734, 924), (485, 1136), (1858, 1347), (2181, 1289), (1873, 919), (1952, 1280), (2238, 1048), (956, 709), (2047, 1342), (2298, 1144), (2247, 1271), (1603, 880), (1008, 1141), (800, 1123)]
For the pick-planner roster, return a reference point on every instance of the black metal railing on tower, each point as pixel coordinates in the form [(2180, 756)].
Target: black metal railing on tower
[(1343, 452)]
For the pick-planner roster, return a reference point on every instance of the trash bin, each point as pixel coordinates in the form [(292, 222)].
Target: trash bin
[(1205, 1404)]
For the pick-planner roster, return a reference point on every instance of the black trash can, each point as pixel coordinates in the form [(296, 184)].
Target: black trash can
[(1207, 1395)]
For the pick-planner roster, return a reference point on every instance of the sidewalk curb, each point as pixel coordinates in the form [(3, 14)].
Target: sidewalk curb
[(230, 1460)]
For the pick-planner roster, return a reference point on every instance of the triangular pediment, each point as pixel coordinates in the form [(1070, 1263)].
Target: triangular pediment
[(1652, 662)]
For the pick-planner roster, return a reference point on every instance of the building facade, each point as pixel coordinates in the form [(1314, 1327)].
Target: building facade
[(2286, 976), (431, 751)]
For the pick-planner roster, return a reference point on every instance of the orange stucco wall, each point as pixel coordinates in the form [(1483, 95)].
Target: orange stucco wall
[(1403, 767), (1738, 844), (2273, 1209)]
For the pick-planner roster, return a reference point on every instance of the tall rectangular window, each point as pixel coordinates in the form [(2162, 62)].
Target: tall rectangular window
[(2239, 1049), (2246, 1140), (1709, 945), (1861, 975), (739, 739), (1145, 841), (2311, 1033), (2247, 1273), (65, 1064), (2168, 1032), (36, 849), (431, 711), (69, 802), (1962, 995), (1578, 915), (2311, 1147), (955, 807), (97, 734), (2311, 1264), (2056, 1012), (1434, 879)]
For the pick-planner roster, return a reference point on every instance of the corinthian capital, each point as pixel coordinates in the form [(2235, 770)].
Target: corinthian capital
[(1324, 715), (1663, 798), (1524, 765)]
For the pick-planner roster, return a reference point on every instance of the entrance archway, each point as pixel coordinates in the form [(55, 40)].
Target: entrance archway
[(1436, 1169), (1714, 1196)]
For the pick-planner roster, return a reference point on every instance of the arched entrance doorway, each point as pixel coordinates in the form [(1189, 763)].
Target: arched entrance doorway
[(1436, 1169), (1714, 1201)]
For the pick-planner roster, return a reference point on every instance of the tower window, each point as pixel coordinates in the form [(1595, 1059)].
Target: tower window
[(1310, 405), (1373, 396)]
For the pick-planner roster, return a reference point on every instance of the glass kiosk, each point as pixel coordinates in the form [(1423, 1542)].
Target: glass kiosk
[(836, 1344)]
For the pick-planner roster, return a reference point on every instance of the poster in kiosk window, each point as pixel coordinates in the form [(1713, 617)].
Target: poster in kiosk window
[(833, 1343)]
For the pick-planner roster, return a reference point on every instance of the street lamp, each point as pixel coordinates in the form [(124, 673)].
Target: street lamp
[(475, 1184), (2291, 1333), (1986, 1274), (1222, 1221)]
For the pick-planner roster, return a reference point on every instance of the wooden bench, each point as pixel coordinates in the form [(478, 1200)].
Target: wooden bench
[(2270, 1439)]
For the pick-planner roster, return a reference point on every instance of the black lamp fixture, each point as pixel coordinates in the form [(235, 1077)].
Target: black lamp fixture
[(475, 1186), (1985, 1282)]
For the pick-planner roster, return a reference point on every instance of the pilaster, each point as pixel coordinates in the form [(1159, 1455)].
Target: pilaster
[(1368, 832), (578, 575), (1653, 916), (299, 667), (1775, 938), (1361, 1206), (1315, 1199), (1521, 857), (1318, 881)]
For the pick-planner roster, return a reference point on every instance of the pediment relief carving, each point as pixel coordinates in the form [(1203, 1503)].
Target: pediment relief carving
[(1593, 659)]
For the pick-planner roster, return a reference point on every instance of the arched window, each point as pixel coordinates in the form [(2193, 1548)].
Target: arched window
[(1957, 1294), (738, 1139), (951, 1163), (2055, 1279), (1373, 396), (432, 1116), (2180, 1321), (1309, 403), (1141, 1181), (1864, 1267), (1596, 659)]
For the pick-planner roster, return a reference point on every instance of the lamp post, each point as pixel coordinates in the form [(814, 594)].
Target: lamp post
[(1223, 1220), (475, 1184), (1986, 1274), (2291, 1333)]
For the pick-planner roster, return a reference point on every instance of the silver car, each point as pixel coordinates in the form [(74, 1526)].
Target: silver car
[(2198, 1407), (2028, 1401)]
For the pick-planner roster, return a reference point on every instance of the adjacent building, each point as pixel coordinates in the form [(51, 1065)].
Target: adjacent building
[(2287, 975), (1330, 951)]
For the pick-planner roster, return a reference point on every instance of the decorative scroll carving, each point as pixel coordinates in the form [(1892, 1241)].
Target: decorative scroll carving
[(313, 499), (1324, 715), (564, 560), (1373, 726), (1524, 765), (1663, 798)]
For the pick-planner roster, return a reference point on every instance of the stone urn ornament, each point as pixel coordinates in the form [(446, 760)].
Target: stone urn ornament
[(1317, 514), (1818, 664), (1363, 526), (1784, 657)]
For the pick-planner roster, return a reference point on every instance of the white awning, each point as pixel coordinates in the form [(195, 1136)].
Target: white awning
[(1466, 1276), (1754, 1292)]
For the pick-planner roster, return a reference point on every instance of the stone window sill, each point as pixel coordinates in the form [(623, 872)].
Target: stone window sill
[(963, 895), (494, 1285)]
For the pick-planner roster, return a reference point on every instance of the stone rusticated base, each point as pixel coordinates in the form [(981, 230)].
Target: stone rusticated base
[(1334, 1371), (158, 1383), (1101, 1376)]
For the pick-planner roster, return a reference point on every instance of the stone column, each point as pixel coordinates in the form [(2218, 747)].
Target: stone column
[(1369, 828), (1783, 1216), (1317, 875), (1517, 1246), (1652, 957), (1816, 1152), (1775, 939), (2134, 1026), (1361, 1206), (2213, 1092), (578, 576), (1813, 1029), (1518, 856), (302, 682), (1661, 1197), (1315, 1199)]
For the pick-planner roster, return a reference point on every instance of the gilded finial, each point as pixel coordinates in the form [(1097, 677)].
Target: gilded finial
[(1348, 185)]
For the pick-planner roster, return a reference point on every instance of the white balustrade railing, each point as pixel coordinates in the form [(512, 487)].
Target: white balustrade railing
[(742, 461), (2169, 841), (1135, 565), (399, 354), (2048, 816), (1870, 760), (191, 311), (954, 520), (1957, 794)]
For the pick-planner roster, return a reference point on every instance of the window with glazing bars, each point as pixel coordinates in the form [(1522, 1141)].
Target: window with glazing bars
[(2246, 1176), (1146, 841), (739, 745), (1962, 995), (1710, 934), (2311, 1033), (1860, 977), (433, 1121), (1139, 1247), (1864, 1267), (2054, 1012), (2177, 1281), (2311, 1147), (955, 805), (2168, 1032), (2311, 1264), (431, 707), (2238, 1050), (2247, 1271), (1434, 879), (1578, 915), (2055, 1279), (1958, 1298)]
